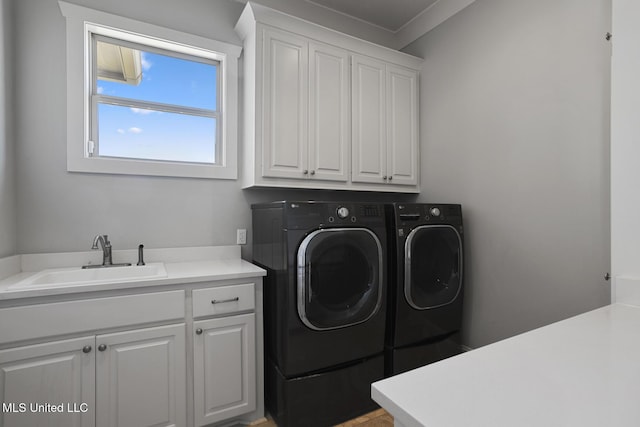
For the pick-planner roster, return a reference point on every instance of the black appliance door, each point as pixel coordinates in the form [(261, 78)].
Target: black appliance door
[(340, 277), (433, 266)]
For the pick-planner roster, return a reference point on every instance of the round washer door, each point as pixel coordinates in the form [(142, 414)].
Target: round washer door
[(340, 277), (433, 266)]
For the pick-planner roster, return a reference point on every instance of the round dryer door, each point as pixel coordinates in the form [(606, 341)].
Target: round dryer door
[(339, 277), (433, 266)]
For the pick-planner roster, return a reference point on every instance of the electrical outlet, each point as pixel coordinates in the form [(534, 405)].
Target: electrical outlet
[(241, 236)]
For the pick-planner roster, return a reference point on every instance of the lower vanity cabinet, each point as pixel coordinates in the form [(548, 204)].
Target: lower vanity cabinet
[(141, 378), (224, 353), (133, 378), (224, 368), (58, 372), (126, 360)]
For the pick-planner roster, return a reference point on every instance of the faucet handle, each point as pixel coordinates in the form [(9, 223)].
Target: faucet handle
[(140, 255)]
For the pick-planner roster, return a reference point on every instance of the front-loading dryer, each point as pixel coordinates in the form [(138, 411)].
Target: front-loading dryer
[(324, 307), (425, 286)]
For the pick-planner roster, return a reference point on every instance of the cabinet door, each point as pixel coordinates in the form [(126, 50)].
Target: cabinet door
[(56, 373), (329, 133), (224, 368), (369, 131), (285, 105), (402, 126), (141, 378)]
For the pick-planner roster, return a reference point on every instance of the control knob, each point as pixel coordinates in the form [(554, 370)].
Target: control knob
[(434, 211), (342, 212)]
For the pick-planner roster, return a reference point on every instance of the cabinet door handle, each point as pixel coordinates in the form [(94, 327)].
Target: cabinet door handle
[(313, 172), (220, 301), (102, 347), (86, 349), (390, 178), (199, 331), (384, 177), (304, 172)]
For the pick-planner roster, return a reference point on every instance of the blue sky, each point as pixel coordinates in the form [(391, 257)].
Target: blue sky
[(157, 135)]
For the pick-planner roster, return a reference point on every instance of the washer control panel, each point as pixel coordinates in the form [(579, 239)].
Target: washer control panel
[(352, 213)]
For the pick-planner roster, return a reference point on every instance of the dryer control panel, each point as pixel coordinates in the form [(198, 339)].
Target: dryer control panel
[(408, 213), (313, 214)]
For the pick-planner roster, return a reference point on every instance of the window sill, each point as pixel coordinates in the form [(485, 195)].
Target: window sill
[(105, 165)]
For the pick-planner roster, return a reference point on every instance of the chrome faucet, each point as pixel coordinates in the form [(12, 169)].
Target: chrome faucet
[(103, 239), (104, 242)]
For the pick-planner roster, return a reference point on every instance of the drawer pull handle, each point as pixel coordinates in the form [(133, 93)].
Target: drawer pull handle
[(220, 301)]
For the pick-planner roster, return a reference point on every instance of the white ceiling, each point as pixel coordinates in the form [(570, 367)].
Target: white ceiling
[(391, 15)]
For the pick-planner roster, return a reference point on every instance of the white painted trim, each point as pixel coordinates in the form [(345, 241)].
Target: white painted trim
[(79, 20), (427, 20), (625, 132), (255, 12)]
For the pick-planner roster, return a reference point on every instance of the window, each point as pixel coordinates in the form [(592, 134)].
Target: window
[(147, 100), (152, 104)]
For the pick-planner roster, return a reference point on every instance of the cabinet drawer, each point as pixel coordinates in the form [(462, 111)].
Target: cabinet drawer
[(223, 300)]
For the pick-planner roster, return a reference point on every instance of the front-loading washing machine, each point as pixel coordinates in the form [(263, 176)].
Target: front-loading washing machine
[(425, 285), (324, 307)]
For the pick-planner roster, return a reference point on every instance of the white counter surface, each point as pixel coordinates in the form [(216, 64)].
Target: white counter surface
[(183, 265), (583, 371)]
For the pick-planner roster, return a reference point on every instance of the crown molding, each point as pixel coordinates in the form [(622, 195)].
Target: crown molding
[(427, 20)]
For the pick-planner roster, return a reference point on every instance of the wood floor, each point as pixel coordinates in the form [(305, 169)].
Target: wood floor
[(379, 418)]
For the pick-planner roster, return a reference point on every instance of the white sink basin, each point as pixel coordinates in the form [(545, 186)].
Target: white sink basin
[(61, 277)]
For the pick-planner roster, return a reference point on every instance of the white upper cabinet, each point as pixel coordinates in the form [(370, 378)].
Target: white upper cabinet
[(402, 125), (286, 88), (384, 123), (328, 112), (325, 110), (305, 94), (369, 124)]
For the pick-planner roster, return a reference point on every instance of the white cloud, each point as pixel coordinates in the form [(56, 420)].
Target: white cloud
[(121, 131), (135, 130), (146, 64), (141, 111)]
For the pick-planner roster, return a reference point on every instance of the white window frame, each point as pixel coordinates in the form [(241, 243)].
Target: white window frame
[(81, 23)]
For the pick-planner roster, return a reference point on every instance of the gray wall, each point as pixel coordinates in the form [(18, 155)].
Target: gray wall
[(61, 211), (515, 126), (515, 103), (8, 236)]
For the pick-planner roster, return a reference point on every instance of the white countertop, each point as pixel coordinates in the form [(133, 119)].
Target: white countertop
[(183, 265), (583, 371)]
